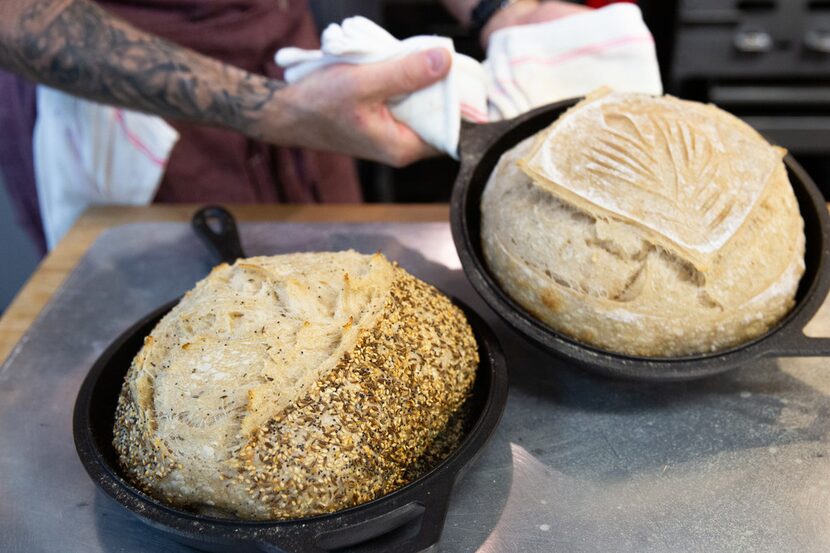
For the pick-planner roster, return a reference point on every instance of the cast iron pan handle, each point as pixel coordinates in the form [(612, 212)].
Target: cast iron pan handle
[(413, 527), (217, 229), (792, 342), (474, 138)]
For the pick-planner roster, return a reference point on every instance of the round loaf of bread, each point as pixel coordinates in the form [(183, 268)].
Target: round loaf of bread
[(646, 226), (292, 385)]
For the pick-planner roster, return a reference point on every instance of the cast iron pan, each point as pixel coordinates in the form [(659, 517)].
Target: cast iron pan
[(407, 520), (481, 148)]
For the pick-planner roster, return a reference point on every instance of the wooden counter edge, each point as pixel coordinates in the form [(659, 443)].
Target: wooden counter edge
[(55, 267)]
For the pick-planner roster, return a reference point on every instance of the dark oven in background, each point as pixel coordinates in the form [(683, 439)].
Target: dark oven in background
[(767, 61)]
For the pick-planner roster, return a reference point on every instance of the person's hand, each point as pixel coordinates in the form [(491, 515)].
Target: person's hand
[(525, 12), (343, 108)]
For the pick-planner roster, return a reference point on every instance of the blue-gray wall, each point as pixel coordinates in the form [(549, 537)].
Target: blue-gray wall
[(18, 256)]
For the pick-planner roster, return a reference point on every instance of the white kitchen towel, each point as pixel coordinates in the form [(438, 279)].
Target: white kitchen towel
[(87, 153), (434, 112), (532, 65)]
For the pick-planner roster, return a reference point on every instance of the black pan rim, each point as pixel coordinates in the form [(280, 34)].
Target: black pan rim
[(602, 361), (172, 519)]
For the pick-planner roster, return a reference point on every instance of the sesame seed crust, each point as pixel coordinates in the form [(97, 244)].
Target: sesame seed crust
[(354, 433)]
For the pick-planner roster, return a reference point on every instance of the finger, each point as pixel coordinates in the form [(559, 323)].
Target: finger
[(401, 76)]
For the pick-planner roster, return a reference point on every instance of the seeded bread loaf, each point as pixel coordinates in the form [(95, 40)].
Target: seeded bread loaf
[(293, 385), (646, 226)]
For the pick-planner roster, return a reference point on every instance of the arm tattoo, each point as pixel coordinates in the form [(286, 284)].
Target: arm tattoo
[(78, 47)]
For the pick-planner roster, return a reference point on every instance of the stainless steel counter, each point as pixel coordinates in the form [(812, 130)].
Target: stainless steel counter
[(735, 463)]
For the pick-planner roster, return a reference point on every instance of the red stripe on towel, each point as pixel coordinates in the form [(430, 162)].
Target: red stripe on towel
[(136, 141), (473, 113), (584, 50)]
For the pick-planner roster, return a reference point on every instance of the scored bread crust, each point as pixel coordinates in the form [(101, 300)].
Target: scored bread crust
[(686, 173), (606, 283), (395, 358)]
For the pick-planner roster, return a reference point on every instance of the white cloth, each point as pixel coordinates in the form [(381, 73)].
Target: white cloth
[(434, 112), (527, 66), (532, 65), (87, 153)]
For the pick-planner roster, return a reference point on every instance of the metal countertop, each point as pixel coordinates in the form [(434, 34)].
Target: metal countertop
[(739, 462)]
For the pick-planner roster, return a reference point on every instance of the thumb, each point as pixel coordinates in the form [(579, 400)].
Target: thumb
[(404, 75)]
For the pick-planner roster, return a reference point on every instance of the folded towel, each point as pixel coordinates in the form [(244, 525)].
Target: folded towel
[(434, 112), (87, 153), (532, 65)]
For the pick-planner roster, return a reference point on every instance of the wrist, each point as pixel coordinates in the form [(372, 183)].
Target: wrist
[(461, 10), (289, 118), (259, 108), (513, 14)]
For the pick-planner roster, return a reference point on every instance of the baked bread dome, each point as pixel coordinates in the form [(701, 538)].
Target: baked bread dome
[(292, 385), (647, 226)]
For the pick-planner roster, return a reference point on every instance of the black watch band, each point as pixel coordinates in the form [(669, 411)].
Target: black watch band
[(483, 11)]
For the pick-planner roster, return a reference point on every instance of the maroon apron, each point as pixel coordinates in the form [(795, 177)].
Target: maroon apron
[(207, 164)]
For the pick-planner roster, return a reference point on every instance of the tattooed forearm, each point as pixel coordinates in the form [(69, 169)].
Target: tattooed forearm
[(76, 46)]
